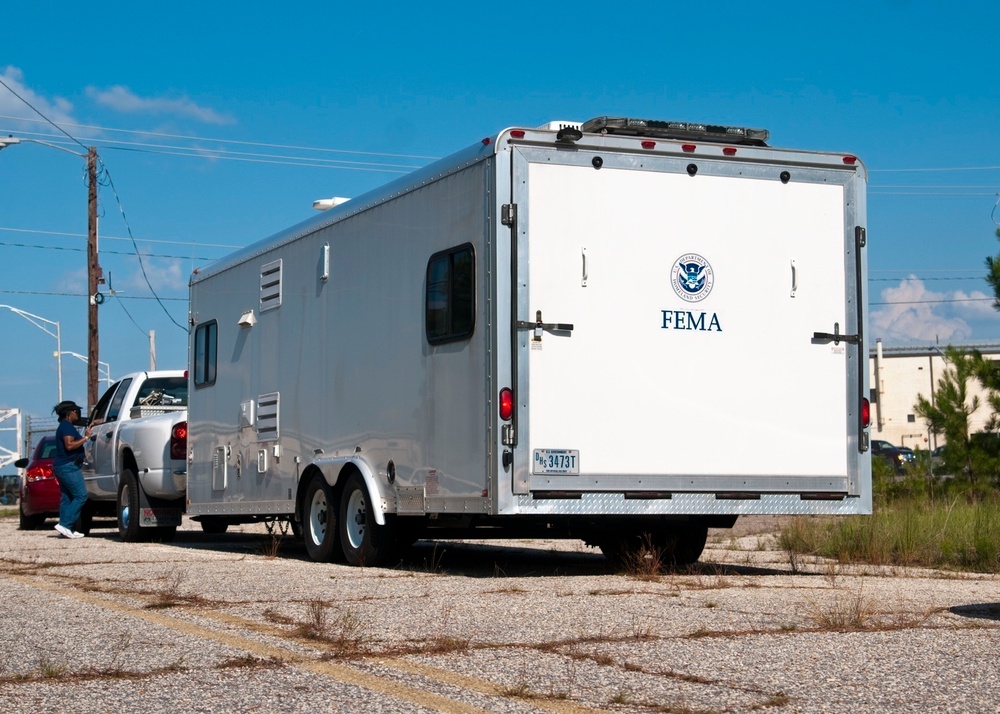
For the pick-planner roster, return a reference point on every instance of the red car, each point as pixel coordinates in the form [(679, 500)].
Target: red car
[(39, 490)]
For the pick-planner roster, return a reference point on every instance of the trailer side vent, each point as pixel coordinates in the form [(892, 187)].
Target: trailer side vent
[(270, 286), (267, 417)]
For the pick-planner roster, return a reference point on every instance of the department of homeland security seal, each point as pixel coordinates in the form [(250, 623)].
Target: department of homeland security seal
[(692, 277)]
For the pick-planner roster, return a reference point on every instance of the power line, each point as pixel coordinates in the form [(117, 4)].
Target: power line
[(103, 252), (36, 111), (78, 295), (237, 141), (107, 237)]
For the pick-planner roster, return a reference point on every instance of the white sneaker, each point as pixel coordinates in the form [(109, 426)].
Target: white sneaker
[(66, 532)]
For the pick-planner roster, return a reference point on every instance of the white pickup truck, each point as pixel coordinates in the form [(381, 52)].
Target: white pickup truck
[(135, 465)]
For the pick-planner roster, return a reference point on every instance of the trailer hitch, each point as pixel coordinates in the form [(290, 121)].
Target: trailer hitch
[(538, 326), (836, 337)]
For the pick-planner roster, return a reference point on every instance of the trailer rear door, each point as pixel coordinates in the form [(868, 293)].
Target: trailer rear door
[(666, 325)]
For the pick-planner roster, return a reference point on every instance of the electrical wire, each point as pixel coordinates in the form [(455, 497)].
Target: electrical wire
[(111, 184)]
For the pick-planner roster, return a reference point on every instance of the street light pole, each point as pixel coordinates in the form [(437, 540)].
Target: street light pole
[(36, 320), (94, 276), (83, 358)]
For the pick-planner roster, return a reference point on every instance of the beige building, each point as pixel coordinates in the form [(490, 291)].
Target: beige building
[(899, 374)]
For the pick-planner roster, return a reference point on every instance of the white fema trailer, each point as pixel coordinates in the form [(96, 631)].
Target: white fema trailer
[(623, 331)]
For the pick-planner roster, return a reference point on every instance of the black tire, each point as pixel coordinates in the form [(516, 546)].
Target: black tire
[(32, 522), (319, 521), (364, 541), (213, 526), (681, 545), (128, 507), (673, 546)]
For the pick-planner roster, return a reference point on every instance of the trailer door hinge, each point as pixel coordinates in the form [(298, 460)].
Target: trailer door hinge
[(538, 326), (508, 214), (836, 337)]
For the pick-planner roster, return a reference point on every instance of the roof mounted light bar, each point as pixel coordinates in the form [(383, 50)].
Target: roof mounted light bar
[(676, 130)]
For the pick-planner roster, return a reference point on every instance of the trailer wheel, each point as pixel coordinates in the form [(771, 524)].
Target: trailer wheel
[(128, 507), (672, 547), (365, 542), (681, 545), (213, 526), (320, 522)]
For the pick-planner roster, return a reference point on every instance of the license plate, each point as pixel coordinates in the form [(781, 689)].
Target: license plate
[(556, 461)]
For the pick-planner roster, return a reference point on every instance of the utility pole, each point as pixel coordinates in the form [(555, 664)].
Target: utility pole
[(93, 279)]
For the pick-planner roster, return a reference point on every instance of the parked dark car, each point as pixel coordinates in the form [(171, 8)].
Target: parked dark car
[(892, 455), (39, 490), (907, 453)]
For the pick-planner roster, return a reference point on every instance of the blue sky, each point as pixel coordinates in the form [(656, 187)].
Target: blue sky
[(219, 124)]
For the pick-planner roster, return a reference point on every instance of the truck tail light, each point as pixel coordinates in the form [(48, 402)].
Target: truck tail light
[(506, 404), (866, 413), (178, 441)]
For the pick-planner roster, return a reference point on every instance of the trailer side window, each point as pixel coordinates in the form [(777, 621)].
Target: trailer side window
[(206, 338), (450, 299)]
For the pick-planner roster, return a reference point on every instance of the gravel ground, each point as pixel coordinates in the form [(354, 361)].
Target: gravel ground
[(221, 624)]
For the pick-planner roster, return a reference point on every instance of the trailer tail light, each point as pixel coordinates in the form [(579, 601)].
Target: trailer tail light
[(506, 404), (178, 441), (38, 473), (866, 413)]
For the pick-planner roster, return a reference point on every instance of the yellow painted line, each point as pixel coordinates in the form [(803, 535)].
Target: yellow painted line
[(339, 672), (444, 676), (561, 706)]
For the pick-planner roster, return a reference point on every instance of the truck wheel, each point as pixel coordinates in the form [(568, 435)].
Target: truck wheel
[(364, 541), (320, 523), (128, 507), (32, 522)]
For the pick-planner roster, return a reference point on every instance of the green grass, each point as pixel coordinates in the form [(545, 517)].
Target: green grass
[(915, 522)]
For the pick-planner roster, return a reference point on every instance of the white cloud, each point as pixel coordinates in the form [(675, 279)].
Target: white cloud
[(165, 275), (56, 109), (916, 314), (122, 99)]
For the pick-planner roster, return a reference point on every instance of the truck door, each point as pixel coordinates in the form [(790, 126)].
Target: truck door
[(666, 326), (100, 468)]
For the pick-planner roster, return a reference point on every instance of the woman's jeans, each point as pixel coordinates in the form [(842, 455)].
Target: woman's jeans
[(74, 494)]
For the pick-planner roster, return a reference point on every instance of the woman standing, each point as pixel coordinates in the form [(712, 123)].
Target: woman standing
[(69, 458)]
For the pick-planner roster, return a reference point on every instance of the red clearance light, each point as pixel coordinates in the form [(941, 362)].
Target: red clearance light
[(850, 160), (517, 133), (506, 404), (729, 151), (648, 144), (866, 413), (688, 147), (487, 141)]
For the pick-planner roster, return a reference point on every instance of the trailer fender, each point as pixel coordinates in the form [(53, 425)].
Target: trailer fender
[(333, 467)]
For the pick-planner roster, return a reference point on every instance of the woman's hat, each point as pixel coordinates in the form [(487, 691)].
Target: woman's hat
[(63, 408)]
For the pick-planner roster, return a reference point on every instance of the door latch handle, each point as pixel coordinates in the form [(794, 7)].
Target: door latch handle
[(538, 326), (836, 337)]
